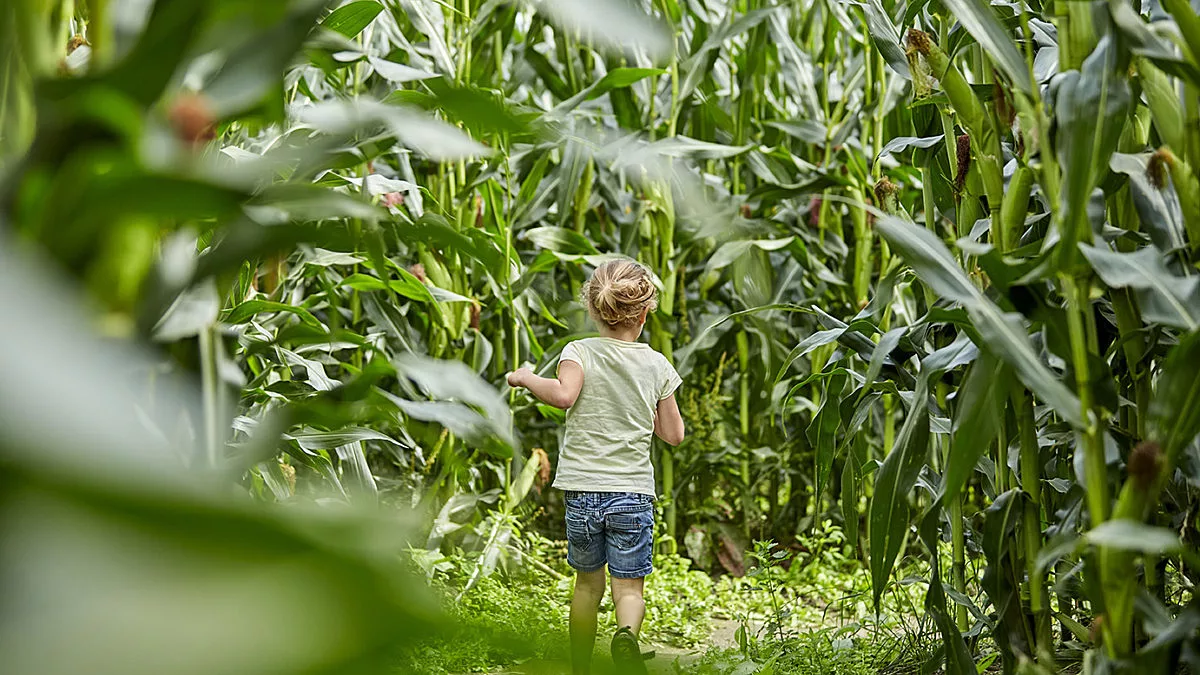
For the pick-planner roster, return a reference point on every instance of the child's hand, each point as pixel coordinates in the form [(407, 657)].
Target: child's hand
[(517, 377)]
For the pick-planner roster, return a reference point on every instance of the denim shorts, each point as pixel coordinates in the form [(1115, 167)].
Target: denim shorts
[(610, 528)]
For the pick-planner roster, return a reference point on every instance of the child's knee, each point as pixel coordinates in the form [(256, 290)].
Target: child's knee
[(627, 588), (590, 584)]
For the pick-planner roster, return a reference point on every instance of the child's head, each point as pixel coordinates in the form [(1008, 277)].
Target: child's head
[(620, 294)]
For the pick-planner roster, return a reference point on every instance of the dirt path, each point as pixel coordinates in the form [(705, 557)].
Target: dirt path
[(664, 661)]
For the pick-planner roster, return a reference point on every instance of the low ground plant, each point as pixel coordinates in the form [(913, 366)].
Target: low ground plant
[(498, 622), (809, 612), (819, 652), (818, 584), (521, 613)]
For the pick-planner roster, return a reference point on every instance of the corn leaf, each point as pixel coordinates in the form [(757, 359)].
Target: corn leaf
[(352, 18), (980, 21), (1165, 298), (889, 511), (1002, 333), (1175, 408)]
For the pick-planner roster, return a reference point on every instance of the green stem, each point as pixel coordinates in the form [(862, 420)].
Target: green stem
[(1004, 477), (958, 565), (1031, 483), (99, 32), (1078, 305), (864, 244), (210, 383), (889, 422), (506, 226), (743, 347), (583, 195), (958, 568), (668, 483)]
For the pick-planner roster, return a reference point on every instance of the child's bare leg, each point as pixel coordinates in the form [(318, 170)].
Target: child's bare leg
[(585, 604), (629, 603)]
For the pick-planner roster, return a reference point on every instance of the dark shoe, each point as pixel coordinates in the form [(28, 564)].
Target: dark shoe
[(627, 654)]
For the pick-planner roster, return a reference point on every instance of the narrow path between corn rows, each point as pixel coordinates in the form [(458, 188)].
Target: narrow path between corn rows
[(663, 662)]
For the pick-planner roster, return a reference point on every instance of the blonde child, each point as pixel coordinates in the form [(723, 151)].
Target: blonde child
[(618, 393)]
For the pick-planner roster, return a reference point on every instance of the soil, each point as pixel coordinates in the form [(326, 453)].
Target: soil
[(664, 661)]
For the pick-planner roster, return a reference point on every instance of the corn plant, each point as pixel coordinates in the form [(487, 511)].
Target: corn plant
[(1077, 300), (927, 269)]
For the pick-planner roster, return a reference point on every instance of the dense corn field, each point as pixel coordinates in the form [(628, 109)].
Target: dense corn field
[(928, 269)]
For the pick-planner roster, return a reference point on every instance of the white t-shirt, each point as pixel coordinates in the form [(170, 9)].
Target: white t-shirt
[(606, 447)]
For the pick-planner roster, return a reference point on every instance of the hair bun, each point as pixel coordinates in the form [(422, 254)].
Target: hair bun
[(618, 293)]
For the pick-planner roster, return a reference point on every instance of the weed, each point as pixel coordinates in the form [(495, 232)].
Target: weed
[(498, 622), (827, 651), (503, 619)]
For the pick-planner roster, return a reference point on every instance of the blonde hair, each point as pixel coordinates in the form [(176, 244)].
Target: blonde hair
[(618, 292)]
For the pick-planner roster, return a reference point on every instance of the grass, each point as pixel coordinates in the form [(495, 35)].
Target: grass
[(509, 618), (820, 652), (498, 623), (813, 613)]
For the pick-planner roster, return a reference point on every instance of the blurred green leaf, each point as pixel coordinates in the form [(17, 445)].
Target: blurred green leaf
[(352, 18), (453, 380), (244, 311), (1130, 535), (479, 110), (250, 71), (433, 138), (311, 439), (615, 24), (560, 240)]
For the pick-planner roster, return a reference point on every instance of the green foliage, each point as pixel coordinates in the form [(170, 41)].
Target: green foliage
[(816, 582), (823, 651), (497, 622), (339, 224), (522, 615), (680, 603)]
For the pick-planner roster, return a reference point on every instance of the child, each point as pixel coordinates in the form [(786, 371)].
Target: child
[(618, 393)]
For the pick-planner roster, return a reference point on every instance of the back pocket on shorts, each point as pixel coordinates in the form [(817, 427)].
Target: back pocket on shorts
[(627, 530), (577, 532)]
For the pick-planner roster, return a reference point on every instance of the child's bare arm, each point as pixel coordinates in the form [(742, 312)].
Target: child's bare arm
[(560, 392), (668, 423)]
